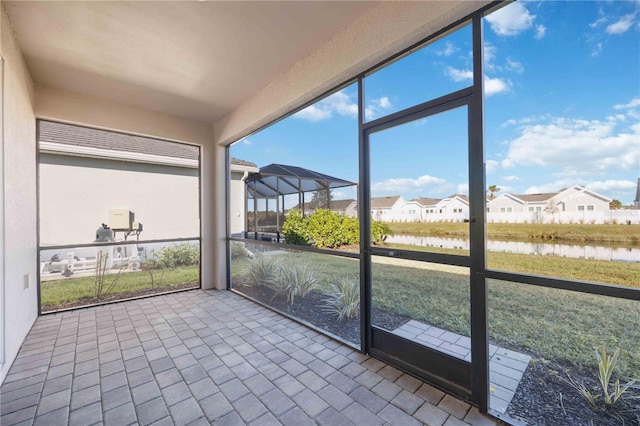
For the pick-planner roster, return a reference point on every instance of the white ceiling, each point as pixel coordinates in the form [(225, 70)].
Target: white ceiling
[(197, 60)]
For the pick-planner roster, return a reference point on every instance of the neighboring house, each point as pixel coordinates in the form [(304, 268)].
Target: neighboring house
[(388, 209), (84, 173), (575, 204), (347, 207), (454, 208)]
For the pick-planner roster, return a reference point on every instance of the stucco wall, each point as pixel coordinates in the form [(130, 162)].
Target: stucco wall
[(19, 306), (77, 193)]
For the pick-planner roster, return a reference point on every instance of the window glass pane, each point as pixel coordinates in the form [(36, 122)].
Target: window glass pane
[(419, 183), (441, 67), (425, 302), (320, 289), (543, 346), (308, 165), (562, 140)]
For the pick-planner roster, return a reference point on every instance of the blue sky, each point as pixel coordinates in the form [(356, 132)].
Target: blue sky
[(562, 108)]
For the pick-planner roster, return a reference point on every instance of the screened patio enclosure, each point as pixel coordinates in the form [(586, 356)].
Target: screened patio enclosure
[(269, 192)]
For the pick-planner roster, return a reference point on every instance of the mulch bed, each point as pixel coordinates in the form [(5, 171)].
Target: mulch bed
[(116, 297), (543, 397), (309, 309)]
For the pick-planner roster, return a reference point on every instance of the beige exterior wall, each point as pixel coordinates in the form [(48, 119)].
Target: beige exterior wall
[(572, 198), (77, 193), (19, 305), (237, 203), (504, 202)]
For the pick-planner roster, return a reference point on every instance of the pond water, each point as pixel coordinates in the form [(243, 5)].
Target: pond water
[(620, 254)]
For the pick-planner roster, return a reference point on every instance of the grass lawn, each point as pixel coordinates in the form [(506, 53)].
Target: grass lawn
[(553, 324), (620, 234), (69, 290)]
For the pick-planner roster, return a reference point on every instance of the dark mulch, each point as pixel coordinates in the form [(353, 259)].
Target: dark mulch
[(309, 309), (544, 397), (117, 297)]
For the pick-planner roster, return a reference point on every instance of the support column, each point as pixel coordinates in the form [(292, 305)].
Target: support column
[(213, 218)]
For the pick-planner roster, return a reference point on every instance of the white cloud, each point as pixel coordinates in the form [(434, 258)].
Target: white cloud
[(599, 22), (339, 103), (611, 185), (489, 56), (490, 166), (605, 187), (514, 66), (404, 185), (342, 103), (449, 49), (459, 75), (621, 25), (596, 50), (634, 103), (376, 107), (630, 109), (463, 188), (511, 20), (576, 145), (493, 86), (313, 113), (512, 178), (540, 31), (246, 141)]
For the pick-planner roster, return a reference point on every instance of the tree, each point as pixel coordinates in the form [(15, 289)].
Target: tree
[(615, 204), (319, 200), (493, 189)]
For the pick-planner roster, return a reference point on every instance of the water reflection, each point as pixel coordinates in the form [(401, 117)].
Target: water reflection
[(620, 254)]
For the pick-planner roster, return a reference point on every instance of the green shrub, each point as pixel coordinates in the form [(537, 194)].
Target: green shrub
[(184, 254), (263, 269), (343, 298), (327, 229), (294, 279), (379, 232), (295, 228)]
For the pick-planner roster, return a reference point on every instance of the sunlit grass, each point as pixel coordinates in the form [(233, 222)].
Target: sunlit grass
[(72, 290)]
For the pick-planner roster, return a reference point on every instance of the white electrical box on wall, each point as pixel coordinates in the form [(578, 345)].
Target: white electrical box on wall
[(121, 219)]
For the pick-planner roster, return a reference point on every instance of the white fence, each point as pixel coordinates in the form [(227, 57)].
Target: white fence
[(628, 217)]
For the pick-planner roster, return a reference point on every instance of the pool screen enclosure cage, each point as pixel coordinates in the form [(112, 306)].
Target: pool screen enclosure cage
[(274, 182)]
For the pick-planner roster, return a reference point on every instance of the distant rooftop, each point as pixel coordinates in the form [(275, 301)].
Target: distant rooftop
[(69, 134)]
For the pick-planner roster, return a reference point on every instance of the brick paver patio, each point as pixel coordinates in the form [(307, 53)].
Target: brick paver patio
[(506, 367), (207, 357)]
